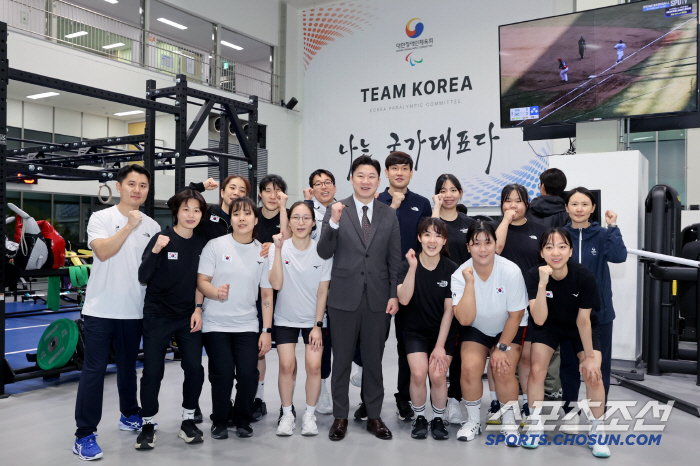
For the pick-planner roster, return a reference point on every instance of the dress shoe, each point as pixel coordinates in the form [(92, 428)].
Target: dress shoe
[(339, 429), (379, 429)]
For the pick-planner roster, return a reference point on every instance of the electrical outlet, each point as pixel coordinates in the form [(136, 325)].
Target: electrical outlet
[(24, 17)]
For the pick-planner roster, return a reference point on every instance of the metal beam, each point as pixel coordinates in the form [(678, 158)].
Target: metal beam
[(4, 67), (239, 105), (32, 169), (199, 120), (223, 148), (181, 144), (149, 150), (101, 142)]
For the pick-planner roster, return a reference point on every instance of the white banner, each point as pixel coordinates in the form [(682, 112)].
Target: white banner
[(419, 77)]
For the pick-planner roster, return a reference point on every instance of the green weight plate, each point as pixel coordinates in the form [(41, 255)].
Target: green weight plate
[(57, 344)]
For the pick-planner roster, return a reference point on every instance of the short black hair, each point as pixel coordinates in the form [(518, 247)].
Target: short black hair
[(245, 204), (319, 172), (447, 177), (554, 181), (124, 172), (520, 189), (365, 160), (580, 190), (481, 226), (277, 182), (547, 235), (182, 197), (398, 158)]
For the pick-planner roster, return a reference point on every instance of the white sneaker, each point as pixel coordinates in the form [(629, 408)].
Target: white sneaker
[(510, 431), (570, 426), (454, 411), (599, 451), (325, 404), (533, 433), (308, 425), (470, 428), (356, 377), (286, 425)]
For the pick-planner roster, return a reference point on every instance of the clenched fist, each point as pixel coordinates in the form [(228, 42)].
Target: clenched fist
[(610, 217), (222, 292), (161, 242), (468, 275), (282, 199), (508, 216), (396, 200), (437, 199), (278, 240), (411, 258), (134, 219), (337, 211), (545, 273), (308, 194), (210, 184)]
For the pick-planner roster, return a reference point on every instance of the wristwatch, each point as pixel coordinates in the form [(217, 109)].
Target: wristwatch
[(503, 347), (612, 225), (199, 306), (266, 330), (319, 323)]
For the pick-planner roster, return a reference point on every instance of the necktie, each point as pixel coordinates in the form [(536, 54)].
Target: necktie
[(365, 224)]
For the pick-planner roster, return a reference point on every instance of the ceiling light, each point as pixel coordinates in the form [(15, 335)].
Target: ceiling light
[(112, 1), (132, 112), (76, 34), (646, 137), (229, 44), (111, 46), (41, 96), (172, 23)]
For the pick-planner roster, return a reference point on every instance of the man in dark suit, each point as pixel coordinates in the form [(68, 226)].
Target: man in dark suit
[(364, 242)]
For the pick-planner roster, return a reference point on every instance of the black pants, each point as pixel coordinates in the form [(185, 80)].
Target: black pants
[(568, 370), (371, 328), (157, 331), (403, 381), (100, 334), (455, 389), (229, 354), (326, 358)]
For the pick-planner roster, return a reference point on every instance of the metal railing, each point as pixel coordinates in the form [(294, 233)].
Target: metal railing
[(77, 27)]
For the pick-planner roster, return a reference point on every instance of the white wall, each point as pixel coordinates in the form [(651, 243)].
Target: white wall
[(258, 18), (627, 200)]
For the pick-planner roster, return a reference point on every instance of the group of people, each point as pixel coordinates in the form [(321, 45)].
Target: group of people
[(238, 279)]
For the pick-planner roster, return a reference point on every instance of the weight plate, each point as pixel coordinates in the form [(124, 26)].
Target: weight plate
[(57, 344)]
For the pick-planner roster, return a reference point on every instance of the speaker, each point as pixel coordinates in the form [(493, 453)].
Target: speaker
[(292, 103)]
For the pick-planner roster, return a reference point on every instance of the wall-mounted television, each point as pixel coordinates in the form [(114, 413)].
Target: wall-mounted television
[(629, 60)]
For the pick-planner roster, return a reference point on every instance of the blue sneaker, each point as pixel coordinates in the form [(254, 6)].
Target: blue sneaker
[(87, 448), (133, 422)]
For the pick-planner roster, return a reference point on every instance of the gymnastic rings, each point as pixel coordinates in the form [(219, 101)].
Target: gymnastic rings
[(99, 193)]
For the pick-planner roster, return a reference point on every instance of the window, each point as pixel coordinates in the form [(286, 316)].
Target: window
[(38, 136), (38, 205), (13, 132), (666, 153), (66, 217)]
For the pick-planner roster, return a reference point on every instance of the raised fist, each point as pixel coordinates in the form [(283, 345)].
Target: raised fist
[(222, 292), (278, 240), (308, 194), (161, 242), (336, 212), (210, 184), (468, 275), (411, 258), (396, 200), (545, 273), (437, 199), (282, 199), (508, 216), (134, 219), (610, 217)]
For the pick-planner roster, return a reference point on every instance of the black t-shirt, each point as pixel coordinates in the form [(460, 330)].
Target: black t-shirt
[(523, 245), (424, 312), (171, 275), (578, 290), (457, 238), (267, 227)]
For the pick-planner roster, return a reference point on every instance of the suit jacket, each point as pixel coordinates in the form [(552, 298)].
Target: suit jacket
[(355, 264)]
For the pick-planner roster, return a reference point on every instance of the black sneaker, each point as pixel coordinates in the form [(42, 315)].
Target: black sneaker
[(244, 430), (147, 438), (219, 432), (439, 429), (198, 418), (404, 410), (190, 433), (420, 428), (259, 409), (492, 417), (294, 412), (229, 422), (361, 413)]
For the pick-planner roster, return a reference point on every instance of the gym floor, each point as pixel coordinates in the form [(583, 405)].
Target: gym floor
[(39, 424)]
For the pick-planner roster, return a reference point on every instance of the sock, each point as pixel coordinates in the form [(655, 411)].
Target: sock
[(508, 414), (567, 407), (595, 423), (187, 414), (525, 398), (149, 420), (359, 371), (287, 409), (261, 390), (419, 410), (494, 397), (309, 410), (438, 413), (474, 409), (323, 385), (535, 416)]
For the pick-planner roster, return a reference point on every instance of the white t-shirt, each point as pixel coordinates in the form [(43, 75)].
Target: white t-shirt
[(303, 271), (503, 292), (114, 291), (239, 265)]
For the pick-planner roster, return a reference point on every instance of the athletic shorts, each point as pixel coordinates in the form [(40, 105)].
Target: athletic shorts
[(416, 342), (552, 336), (291, 334), (470, 333)]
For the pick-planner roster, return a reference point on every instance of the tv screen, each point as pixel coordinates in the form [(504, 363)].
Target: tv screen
[(621, 61)]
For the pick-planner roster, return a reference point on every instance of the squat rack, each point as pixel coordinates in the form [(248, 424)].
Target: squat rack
[(43, 160)]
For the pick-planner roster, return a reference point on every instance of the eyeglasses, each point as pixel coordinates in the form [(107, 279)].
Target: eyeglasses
[(327, 184), (297, 218)]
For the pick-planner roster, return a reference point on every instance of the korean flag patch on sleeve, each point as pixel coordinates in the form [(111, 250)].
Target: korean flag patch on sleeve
[(172, 256)]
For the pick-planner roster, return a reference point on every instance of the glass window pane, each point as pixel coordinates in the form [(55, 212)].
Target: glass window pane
[(38, 205), (672, 165), (66, 217), (164, 217), (648, 150), (13, 132), (38, 136)]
